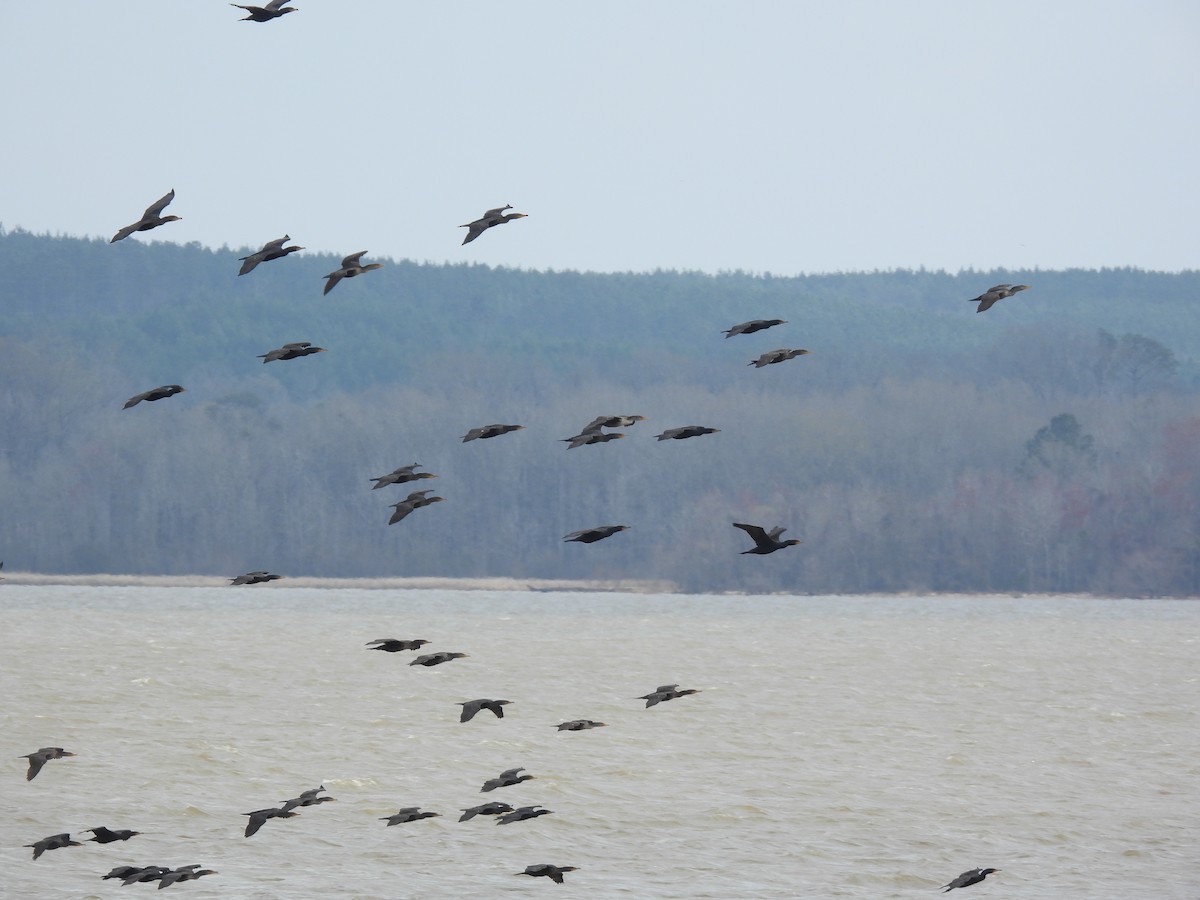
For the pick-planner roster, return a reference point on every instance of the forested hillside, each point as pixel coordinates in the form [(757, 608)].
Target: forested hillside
[(1050, 444)]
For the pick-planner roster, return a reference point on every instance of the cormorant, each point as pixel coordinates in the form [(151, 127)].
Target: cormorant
[(395, 645), (270, 250), (471, 707), (41, 757), (54, 842), (687, 431), (151, 218), (595, 437), (167, 390), (307, 798), (665, 692), (591, 535), (184, 873), (291, 351), (259, 816), (488, 219), (415, 500), (974, 876), (611, 422), (995, 294), (107, 836), (554, 873), (401, 476), (254, 578), (123, 872), (349, 269), (272, 10), (753, 326), (776, 356), (407, 814), (765, 541), (435, 659), (507, 778), (489, 431), (486, 809), (579, 725), (147, 873), (522, 813)]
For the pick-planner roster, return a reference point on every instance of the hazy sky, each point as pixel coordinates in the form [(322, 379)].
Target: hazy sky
[(782, 136)]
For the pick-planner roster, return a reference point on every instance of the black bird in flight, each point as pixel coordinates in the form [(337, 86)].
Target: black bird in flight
[(107, 836), (436, 659), (507, 778), (407, 814), (415, 500), (489, 431), (307, 798), (753, 326), (687, 431), (350, 268), (260, 816), (665, 692), (580, 724), (254, 578), (471, 707), (54, 842), (272, 10), (776, 356), (486, 809), (395, 645), (402, 475), (294, 350), (522, 813), (554, 873), (995, 294), (41, 757), (974, 876), (158, 393), (591, 535), (489, 219), (151, 218), (270, 250), (765, 541)]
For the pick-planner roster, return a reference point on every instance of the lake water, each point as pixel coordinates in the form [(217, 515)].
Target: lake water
[(841, 747)]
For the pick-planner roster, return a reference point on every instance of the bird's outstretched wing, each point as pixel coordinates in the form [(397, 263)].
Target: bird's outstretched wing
[(756, 532)]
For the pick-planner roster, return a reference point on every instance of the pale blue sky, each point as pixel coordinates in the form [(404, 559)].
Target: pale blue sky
[(780, 136)]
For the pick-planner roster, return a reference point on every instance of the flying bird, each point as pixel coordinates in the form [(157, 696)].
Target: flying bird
[(486, 809), (522, 813), (665, 692), (272, 10), (554, 873), (507, 778), (974, 876), (611, 422), (167, 390), (591, 437), (489, 431), (471, 707), (307, 798), (402, 475), (752, 326), (107, 836), (54, 842), (488, 219), (436, 659), (254, 578), (776, 356), (407, 814), (290, 351), (151, 218), (995, 294), (41, 757), (260, 816), (350, 268), (765, 541), (395, 645), (687, 431), (184, 873), (270, 250), (591, 535), (415, 500), (580, 725)]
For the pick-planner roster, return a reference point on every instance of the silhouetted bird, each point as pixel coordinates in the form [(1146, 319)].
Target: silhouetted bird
[(254, 578), (41, 757), (489, 219), (259, 816), (486, 809), (591, 535), (144, 874), (294, 350), (471, 707), (753, 326), (507, 778), (54, 842), (579, 725), (408, 814), (307, 798), (415, 500), (687, 431), (151, 218), (107, 836), (185, 873), (974, 876), (776, 356), (522, 813), (395, 645), (271, 250), (272, 10), (765, 541), (591, 437), (122, 872), (489, 431), (436, 659), (665, 692), (611, 422), (350, 268), (995, 294), (167, 390), (554, 873), (401, 476)]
